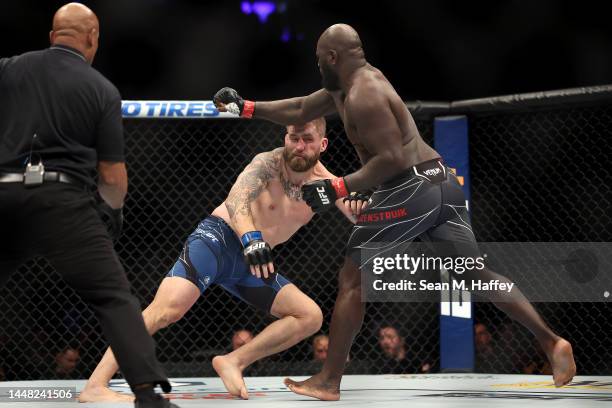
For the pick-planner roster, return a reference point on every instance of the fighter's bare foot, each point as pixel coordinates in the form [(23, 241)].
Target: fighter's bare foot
[(103, 394), (231, 375), (562, 361), (315, 387)]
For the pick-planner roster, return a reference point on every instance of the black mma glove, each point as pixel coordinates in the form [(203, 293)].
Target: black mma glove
[(234, 102), (257, 253), (321, 195), (356, 202), (357, 196)]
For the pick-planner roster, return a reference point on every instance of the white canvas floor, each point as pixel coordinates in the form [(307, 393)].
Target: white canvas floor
[(363, 391)]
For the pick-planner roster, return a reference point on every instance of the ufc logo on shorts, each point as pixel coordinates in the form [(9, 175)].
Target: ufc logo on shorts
[(322, 195)]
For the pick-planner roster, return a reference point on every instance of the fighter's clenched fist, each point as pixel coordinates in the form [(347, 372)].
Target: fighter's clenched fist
[(257, 254), (321, 195), (227, 100)]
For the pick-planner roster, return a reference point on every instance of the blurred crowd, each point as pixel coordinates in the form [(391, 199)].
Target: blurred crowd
[(496, 351)]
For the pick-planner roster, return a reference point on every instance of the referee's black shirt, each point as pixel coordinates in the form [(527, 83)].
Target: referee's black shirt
[(74, 111)]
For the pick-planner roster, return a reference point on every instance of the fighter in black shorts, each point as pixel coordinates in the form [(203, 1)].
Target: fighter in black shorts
[(422, 198), (426, 202)]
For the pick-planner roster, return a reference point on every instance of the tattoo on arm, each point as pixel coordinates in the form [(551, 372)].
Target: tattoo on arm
[(251, 182)]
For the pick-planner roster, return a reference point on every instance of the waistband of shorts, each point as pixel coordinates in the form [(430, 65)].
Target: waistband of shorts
[(413, 171), (219, 220)]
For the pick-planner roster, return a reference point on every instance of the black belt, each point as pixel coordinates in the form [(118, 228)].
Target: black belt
[(47, 176)]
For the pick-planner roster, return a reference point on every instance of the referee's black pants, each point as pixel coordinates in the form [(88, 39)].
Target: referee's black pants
[(59, 221)]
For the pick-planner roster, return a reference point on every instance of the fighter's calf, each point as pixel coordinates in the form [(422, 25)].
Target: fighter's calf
[(163, 312)]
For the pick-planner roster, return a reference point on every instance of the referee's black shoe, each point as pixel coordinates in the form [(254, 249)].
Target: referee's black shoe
[(147, 398)]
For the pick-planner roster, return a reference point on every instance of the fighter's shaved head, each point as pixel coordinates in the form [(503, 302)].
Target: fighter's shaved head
[(339, 52), (75, 25), (342, 38)]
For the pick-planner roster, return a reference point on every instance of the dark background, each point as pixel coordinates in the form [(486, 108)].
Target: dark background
[(433, 50)]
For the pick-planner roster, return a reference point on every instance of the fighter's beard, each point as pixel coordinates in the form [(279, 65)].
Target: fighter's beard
[(330, 80), (298, 163), (294, 191)]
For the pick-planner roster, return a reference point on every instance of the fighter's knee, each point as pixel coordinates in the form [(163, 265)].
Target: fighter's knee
[(310, 318), (351, 290), (313, 320), (292, 303)]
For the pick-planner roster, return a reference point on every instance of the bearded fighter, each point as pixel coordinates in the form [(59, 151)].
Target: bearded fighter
[(233, 248)]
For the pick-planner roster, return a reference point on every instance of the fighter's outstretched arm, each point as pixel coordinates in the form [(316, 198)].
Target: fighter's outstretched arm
[(292, 111), (296, 111)]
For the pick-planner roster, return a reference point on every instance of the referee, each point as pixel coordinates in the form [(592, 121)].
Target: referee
[(59, 119)]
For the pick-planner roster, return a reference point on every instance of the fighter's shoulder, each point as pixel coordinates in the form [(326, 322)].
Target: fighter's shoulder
[(270, 159), (273, 154), (320, 172), (366, 91)]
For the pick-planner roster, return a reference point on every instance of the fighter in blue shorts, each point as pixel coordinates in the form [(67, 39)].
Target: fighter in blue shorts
[(233, 248)]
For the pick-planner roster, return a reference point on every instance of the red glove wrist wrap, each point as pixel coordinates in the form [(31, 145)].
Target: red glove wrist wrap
[(340, 186), (248, 109)]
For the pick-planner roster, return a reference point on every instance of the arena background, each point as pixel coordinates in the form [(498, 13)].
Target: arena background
[(430, 50), (181, 169)]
